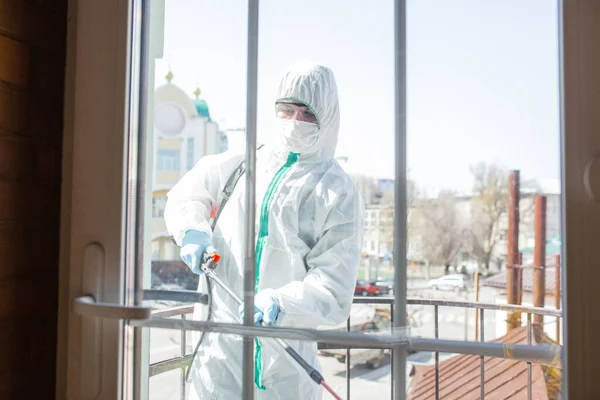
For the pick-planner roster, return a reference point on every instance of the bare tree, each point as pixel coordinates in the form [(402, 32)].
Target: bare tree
[(489, 206), (386, 201), (436, 228)]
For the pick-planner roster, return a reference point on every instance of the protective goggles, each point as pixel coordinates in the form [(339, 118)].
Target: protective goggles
[(296, 111)]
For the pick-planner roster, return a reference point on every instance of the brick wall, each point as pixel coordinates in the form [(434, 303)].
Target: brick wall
[(32, 59)]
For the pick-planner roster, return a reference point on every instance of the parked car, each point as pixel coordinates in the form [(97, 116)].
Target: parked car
[(449, 282), (366, 288), (386, 285)]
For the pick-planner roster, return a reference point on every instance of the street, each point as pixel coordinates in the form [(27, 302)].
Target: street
[(454, 323)]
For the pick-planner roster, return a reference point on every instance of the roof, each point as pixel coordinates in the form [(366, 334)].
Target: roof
[(499, 280), (460, 375), (202, 108)]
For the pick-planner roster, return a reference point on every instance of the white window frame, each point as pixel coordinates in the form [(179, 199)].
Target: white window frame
[(100, 357)]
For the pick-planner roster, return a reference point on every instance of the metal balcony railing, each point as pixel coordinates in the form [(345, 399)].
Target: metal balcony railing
[(540, 354)]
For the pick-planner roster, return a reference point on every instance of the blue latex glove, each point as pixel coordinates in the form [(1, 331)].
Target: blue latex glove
[(266, 308), (193, 247)]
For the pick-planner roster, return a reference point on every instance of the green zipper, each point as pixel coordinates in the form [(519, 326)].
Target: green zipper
[(263, 233)]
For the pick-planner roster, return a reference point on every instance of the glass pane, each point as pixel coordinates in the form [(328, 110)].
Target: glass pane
[(198, 108), (483, 157), (482, 122)]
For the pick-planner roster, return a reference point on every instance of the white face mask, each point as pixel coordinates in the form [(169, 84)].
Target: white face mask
[(297, 136)]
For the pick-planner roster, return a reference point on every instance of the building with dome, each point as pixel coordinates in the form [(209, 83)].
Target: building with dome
[(183, 133)]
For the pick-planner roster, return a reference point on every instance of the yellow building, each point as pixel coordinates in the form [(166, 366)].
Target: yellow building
[(183, 133)]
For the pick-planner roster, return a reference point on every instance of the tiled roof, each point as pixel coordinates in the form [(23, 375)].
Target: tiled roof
[(499, 280), (460, 376)]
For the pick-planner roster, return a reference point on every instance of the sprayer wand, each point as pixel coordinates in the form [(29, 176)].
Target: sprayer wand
[(208, 266)]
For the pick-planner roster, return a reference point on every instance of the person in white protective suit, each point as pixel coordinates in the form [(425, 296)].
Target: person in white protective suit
[(309, 229)]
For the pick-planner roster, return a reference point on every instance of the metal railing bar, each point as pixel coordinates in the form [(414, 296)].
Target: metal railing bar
[(388, 300), (182, 389), (182, 349), (451, 303), (348, 363), (392, 352), (169, 365), (540, 354), (529, 372), (183, 337), (543, 353), (172, 312), (357, 340), (437, 355), (182, 296), (482, 360)]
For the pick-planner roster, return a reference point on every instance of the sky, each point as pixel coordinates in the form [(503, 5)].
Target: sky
[(482, 77)]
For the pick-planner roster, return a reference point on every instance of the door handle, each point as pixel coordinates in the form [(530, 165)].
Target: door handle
[(92, 330), (87, 306)]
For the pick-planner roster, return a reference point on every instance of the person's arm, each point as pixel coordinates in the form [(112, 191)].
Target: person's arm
[(324, 296), (190, 201)]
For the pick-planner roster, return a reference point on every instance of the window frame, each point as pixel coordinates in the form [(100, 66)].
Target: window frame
[(95, 205)]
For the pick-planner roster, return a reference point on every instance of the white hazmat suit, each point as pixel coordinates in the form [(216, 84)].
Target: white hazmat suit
[(309, 228)]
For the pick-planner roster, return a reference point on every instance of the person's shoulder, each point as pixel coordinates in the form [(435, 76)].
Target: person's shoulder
[(335, 173), (339, 182), (342, 194)]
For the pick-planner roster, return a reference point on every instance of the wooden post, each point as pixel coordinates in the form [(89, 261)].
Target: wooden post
[(539, 257), (519, 276), (513, 319), (476, 310)]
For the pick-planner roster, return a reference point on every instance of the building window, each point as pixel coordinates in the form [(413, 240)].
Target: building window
[(190, 153), (168, 160), (158, 206), (155, 250), (223, 142)]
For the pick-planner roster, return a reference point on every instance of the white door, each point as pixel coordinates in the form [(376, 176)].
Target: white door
[(105, 247), (126, 145)]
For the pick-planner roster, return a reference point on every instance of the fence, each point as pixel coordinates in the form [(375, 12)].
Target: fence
[(400, 341)]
